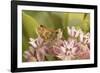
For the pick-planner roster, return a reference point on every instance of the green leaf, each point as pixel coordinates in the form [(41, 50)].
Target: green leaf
[(65, 24), (56, 19), (75, 18), (29, 25), (85, 26), (50, 57), (25, 46)]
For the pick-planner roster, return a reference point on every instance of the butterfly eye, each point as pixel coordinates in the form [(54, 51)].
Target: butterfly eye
[(41, 26), (56, 32)]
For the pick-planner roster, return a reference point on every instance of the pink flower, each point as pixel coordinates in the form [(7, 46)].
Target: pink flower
[(36, 51), (40, 54), (85, 38), (55, 50), (66, 51), (35, 42), (29, 55), (73, 32), (76, 46), (70, 48), (82, 52)]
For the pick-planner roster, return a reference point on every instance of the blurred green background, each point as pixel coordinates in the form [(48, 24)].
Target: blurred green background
[(32, 19)]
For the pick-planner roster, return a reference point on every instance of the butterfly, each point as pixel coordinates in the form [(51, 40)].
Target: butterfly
[(49, 34)]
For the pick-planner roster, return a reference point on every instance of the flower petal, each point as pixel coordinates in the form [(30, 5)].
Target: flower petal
[(69, 30)]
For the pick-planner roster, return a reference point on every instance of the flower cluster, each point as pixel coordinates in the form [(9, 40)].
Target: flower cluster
[(76, 46)]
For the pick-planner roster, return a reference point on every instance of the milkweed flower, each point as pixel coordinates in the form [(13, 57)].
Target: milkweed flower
[(72, 31), (36, 52), (76, 46), (35, 42), (85, 38), (83, 52), (69, 45), (79, 49), (65, 51), (29, 55)]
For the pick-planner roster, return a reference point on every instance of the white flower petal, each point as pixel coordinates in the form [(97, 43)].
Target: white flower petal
[(77, 34), (69, 30), (63, 49), (74, 50), (27, 54), (39, 41), (31, 39), (65, 44), (73, 31), (33, 44), (81, 37), (59, 35)]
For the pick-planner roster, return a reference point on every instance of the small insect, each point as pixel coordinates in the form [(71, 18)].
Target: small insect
[(49, 34)]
